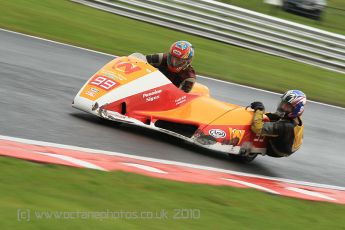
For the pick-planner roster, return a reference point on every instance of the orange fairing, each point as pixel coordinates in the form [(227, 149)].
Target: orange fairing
[(238, 115), (200, 90), (195, 112), (119, 71), (128, 89)]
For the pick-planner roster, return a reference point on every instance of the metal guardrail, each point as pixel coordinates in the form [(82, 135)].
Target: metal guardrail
[(238, 26)]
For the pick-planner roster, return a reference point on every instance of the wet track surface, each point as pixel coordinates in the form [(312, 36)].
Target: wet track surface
[(39, 80)]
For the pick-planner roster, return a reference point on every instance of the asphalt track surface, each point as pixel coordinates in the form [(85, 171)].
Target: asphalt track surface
[(39, 80)]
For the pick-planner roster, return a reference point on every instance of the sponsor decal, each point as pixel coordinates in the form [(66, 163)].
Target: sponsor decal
[(103, 82), (114, 76), (90, 93), (126, 67), (236, 135), (94, 90), (203, 139), (181, 100), (178, 53), (152, 96), (259, 138), (217, 133)]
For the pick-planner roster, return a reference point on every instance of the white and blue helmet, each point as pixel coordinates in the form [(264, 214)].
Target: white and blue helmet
[(297, 99)]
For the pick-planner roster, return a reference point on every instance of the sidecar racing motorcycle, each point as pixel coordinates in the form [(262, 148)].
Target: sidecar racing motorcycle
[(129, 90)]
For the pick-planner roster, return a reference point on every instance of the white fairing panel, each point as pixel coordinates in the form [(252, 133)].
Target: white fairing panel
[(148, 82)]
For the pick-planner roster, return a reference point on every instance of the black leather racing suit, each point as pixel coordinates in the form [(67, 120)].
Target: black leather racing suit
[(285, 135)]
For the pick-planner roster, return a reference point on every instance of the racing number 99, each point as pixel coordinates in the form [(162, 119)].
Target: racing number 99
[(103, 82)]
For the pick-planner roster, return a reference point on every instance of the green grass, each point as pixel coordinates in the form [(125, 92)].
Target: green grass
[(80, 25), (25, 185), (333, 19)]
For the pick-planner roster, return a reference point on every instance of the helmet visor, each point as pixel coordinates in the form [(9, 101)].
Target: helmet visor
[(176, 62), (286, 107)]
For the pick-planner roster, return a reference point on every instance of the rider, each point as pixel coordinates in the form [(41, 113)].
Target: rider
[(176, 64), (285, 127)]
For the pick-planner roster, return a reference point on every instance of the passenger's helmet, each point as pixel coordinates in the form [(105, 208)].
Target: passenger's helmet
[(180, 56), (292, 104)]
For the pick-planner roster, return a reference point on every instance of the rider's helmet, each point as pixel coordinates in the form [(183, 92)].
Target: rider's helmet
[(180, 56), (292, 104)]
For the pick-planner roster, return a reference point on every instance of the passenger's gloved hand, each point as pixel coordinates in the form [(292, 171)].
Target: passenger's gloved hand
[(257, 105)]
